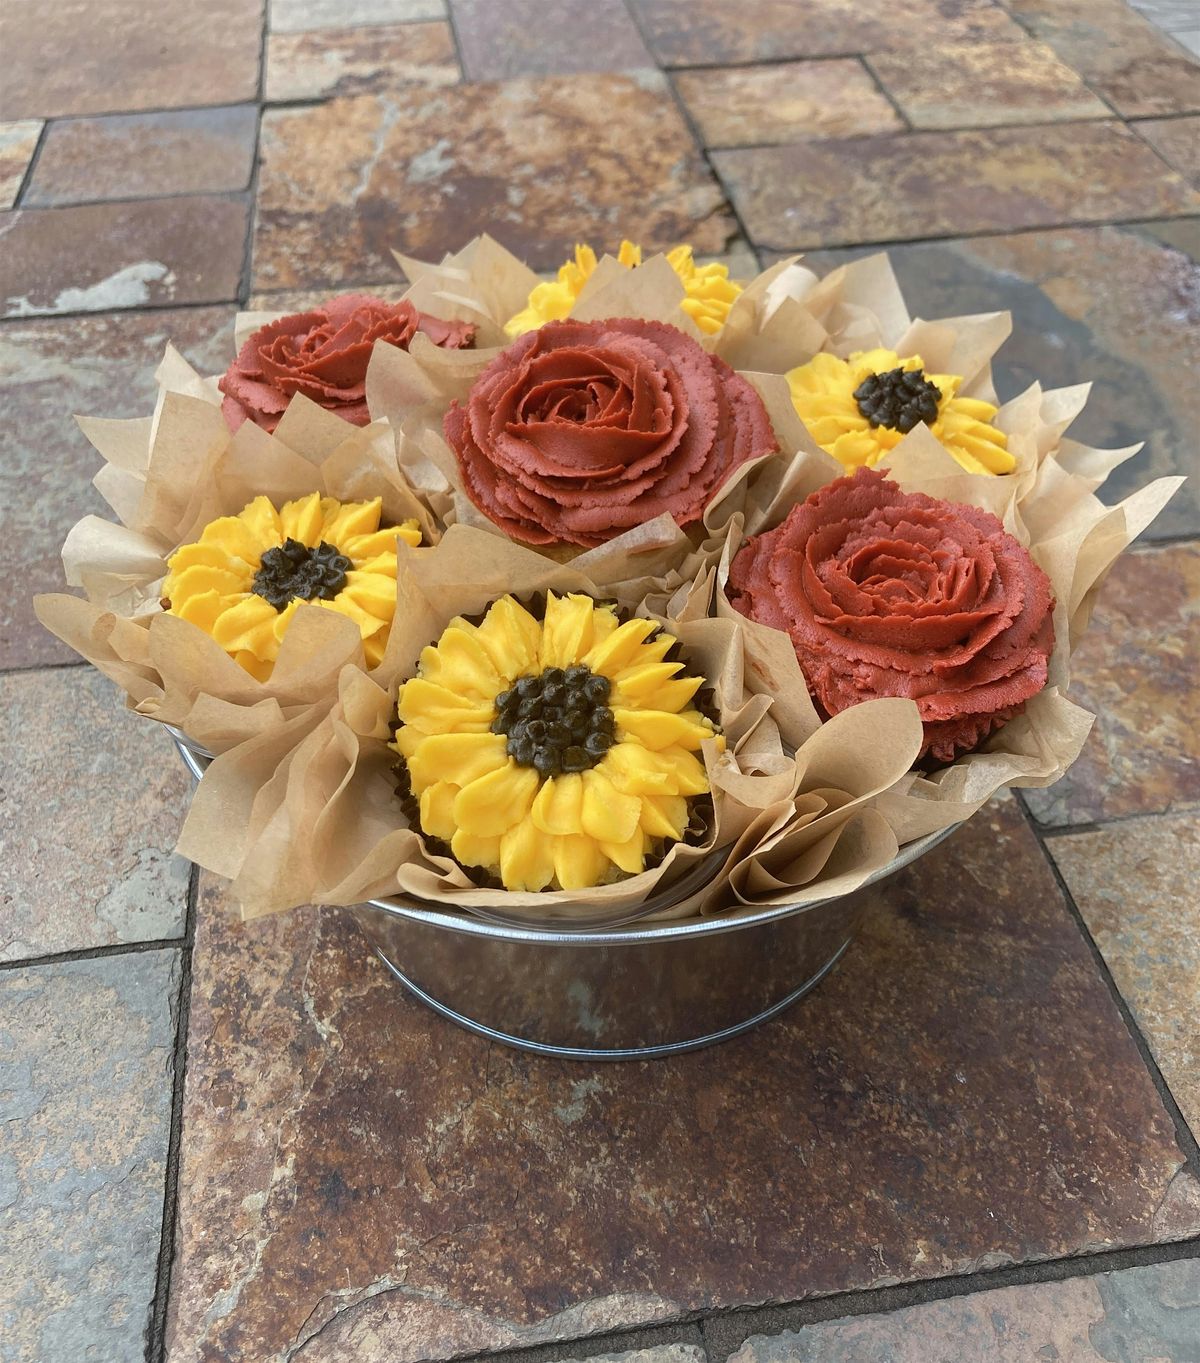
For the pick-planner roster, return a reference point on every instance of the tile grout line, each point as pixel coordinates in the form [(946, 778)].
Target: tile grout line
[(907, 125), (27, 178), (464, 77), (1184, 1136), (156, 1326), (94, 953), (246, 279), (1053, 832)]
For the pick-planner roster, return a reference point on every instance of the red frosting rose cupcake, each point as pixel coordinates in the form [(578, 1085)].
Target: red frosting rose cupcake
[(581, 430), (324, 355), (886, 593)]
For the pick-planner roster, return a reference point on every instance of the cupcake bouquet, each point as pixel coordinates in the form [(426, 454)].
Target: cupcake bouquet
[(636, 590)]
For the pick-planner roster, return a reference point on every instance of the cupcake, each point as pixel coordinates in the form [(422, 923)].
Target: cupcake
[(553, 746), (324, 354), (860, 409), (709, 293), (246, 576), (886, 593), (582, 430)]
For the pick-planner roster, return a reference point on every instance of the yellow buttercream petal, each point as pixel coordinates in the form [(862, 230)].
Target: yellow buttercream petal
[(566, 629), (606, 813), (437, 810), (526, 858), (579, 862), (619, 648), (661, 729), (303, 519), (651, 686), (629, 855), (344, 521), (457, 759), (436, 709), (474, 851), (512, 638), (492, 804), (664, 816), (262, 521), (558, 807), (460, 663)]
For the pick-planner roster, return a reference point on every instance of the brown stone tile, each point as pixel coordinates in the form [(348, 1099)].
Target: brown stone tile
[(984, 85), (1176, 140), (946, 183), (87, 1102), (1126, 60), (500, 39), (96, 797), (785, 102), (99, 257), (380, 1185), (1151, 1315), (539, 164), (110, 56), (18, 142), (49, 370), (1115, 307), (1135, 884), (357, 61), (306, 16), (129, 156), (1136, 669), (708, 32)]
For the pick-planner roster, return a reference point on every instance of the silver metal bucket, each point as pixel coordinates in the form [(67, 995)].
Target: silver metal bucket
[(617, 993)]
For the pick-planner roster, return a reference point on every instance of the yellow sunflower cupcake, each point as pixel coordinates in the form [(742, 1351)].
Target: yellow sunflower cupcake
[(861, 408), (246, 576), (553, 749), (710, 291)]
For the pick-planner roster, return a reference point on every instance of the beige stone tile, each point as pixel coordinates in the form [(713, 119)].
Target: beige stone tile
[(785, 102), (1177, 141), (18, 142), (355, 61)]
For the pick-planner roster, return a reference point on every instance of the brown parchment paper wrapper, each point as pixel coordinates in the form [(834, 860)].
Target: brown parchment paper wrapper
[(166, 477), (322, 823)]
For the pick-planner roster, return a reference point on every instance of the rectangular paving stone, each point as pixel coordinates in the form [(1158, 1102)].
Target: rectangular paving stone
[(1177, 141), (383, 1186), (1169, 14), (130, 156), (984, 85), (100, 257), (1125, 59), (49, 371), (1188, 39), (356, 61), (505, 38), (1106, 305), (1135, 884), (95, 797), (712, 32), (18, 142), (946, 183), (86, 1073), (113, 56), (303, 16), (1141, 1315), (784, 102), (540, 164), (1136, 669)]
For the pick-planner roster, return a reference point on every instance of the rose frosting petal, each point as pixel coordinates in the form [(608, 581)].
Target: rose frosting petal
[(324, 355), (581, 430), (886, 593)]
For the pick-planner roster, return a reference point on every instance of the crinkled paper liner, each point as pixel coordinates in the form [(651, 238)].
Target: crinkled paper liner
[(324, 823), (166, 477)]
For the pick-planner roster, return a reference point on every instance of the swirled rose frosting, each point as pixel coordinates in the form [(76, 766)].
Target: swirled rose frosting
[(886, 593), (324, 355), (581, 430)]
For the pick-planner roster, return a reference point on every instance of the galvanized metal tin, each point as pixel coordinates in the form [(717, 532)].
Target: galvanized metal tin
[(626, 992)]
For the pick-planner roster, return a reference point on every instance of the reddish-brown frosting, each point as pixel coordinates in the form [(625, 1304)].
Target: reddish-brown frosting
[(580, 430), (324, 355), (886, 593)]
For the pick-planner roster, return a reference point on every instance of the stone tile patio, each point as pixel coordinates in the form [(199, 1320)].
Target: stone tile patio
[(242, 1144)]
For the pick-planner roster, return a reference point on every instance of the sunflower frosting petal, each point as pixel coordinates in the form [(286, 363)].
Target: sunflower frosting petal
[(858, 409), (245, 577), (554, 752), (709, 293)]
